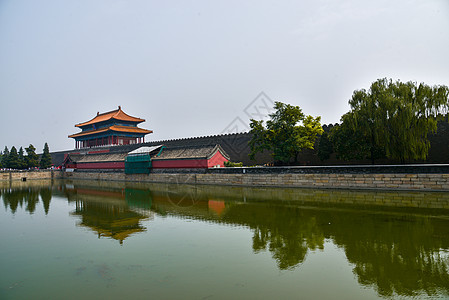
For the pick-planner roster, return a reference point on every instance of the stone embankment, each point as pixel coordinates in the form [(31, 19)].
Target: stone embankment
[(405, 177), (16, 175), (410, 177)]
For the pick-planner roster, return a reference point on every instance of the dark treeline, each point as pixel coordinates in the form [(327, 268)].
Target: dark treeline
[(17, 160)]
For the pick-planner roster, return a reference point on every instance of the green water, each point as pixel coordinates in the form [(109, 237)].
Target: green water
[(91, 240)]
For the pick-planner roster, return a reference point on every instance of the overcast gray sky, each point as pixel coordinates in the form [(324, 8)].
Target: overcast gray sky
[(190, 68)]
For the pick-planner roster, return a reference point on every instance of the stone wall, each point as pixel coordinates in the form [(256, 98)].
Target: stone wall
[(413, 177), (427, 178), (29, 175)]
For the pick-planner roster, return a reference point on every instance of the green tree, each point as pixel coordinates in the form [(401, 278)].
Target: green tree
[(32, 159), (287, 133), (14, 162), (397, 117), (5, 158), (351, 144), (22, 163), (45, 158), (325, 148)]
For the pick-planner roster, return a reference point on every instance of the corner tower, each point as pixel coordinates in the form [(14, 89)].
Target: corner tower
[(110, 128)]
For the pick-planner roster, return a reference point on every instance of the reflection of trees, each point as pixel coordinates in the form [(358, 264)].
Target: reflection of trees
[(395, 254), (13, 198), (287, 233), (31, 199), (28, 197), (46, 198)]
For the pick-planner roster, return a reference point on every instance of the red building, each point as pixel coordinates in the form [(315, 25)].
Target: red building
[(201, 156), (95, 161), (192, 157), (110, 128)]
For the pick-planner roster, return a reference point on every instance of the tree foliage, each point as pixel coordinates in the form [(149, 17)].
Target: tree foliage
[(13, 160), (5, 158), (22, 162), (45, 158), (32, 159), (394, 118), (349, 143), (325, 147), (286, 134)]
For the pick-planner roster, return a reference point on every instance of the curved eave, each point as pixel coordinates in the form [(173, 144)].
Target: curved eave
[(121, 129), (117, 114)]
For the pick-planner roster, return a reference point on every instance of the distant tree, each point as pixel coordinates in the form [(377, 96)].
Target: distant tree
[(32, 159), (45, 158), (395, 117), (22, 162), (14, 162), (5, 158), (287, 133)]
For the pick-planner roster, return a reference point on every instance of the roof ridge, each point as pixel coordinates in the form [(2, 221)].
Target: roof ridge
[(108, 112), (201, 137), (191, 146)]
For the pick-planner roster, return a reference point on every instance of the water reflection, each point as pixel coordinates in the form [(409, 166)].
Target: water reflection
[(397, 242), (26, 198), (112, 213)]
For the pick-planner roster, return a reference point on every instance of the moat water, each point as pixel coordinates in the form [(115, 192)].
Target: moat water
[(91, 240)]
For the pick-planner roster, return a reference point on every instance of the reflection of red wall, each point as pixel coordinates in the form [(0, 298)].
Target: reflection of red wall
[(217, 206), (102, 165)]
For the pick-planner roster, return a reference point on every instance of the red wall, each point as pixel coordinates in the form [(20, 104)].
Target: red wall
[(217, 159), (102, 165), (179, 163)]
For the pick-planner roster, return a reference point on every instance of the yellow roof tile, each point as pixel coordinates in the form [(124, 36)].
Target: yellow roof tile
[(117, 114)]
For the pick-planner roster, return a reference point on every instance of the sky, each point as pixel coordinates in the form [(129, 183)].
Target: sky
[(195, 68)]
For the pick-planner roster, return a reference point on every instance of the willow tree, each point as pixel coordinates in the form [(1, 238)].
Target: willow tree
[(287, 133), (397, 117)]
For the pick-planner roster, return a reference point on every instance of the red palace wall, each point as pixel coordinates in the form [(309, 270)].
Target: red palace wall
[(179, 163), (217, 159), (102, 165)]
